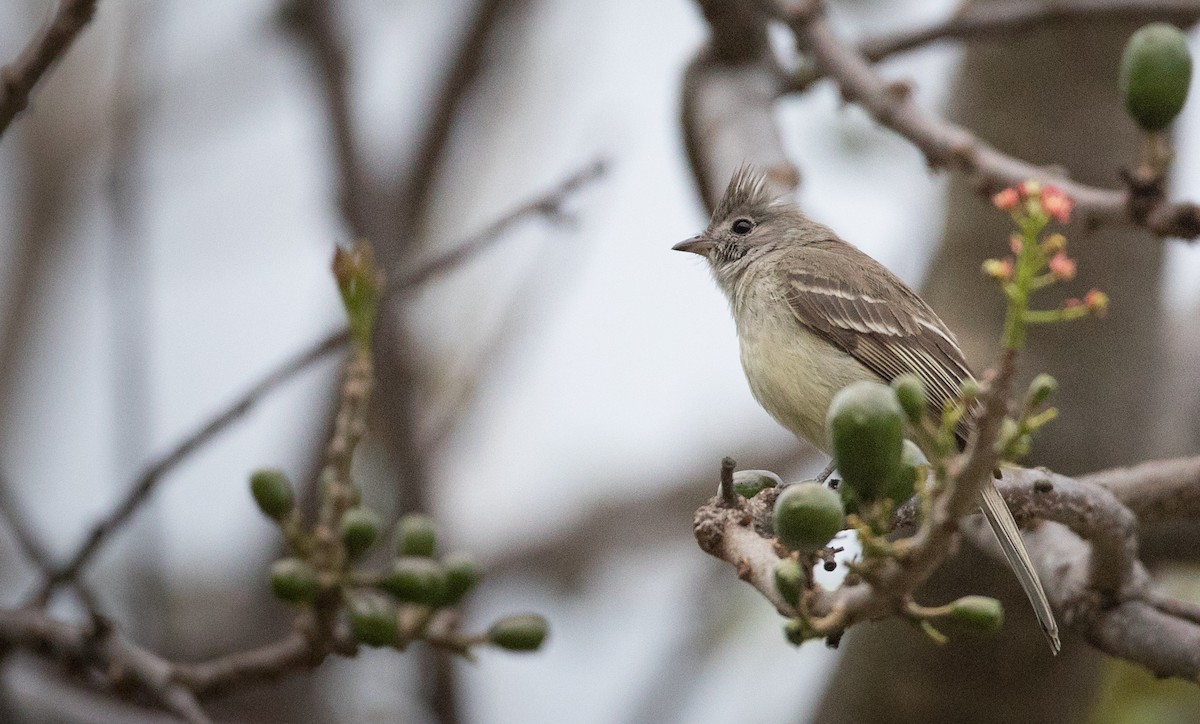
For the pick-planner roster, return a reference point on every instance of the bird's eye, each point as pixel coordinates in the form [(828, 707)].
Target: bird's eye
[(741, 227)]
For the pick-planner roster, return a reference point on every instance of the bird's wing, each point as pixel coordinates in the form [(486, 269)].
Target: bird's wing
[(880, 322)]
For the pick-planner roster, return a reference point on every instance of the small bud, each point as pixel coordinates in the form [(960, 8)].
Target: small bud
[(1007, 199), (1057, 204), (373, 619), (1062, 267), (294, 581), (969, 389), (525, 632), (359, 283), (999, 270), (1054, 243), (807, 516), (1097, 302), (415, 535), (910, 392), (912, 462), (272, 492), (462, 573), (748, 483), (865, 424), (1031, 189), (360, 528), (980, 612), (1016, 244), (1040, 390), (416, 579), (795, 631), (789, 580), (1156, 71)]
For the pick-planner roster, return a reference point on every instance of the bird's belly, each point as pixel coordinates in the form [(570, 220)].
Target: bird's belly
[(794, 375)]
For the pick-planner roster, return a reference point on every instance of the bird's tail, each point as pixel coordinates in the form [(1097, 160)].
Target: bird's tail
[(1009, 536)]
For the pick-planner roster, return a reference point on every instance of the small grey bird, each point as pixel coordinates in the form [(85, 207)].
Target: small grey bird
[(815, 314)]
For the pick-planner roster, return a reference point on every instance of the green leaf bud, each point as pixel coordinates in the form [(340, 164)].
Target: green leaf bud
[(272, 492), (415, 535), (980, 612), (910, 392), (524, 632), (789, 580), (372, 619), (360, 528), (748, 483), (1156, 70), (294, 581), (807, 516), (865, 425), (1041, 389), (462, 573), (416, 579)]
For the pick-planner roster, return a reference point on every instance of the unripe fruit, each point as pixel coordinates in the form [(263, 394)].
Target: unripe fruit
[(415, 535), (360, 528), (865, 426), (910, 393), (272, 492), (1156, 70), (416, 579), (372, 619), (807, 516), (462, 573), (1040, 390), (789, 580), (294, 581), (525, 632), (748, 483), (980, 612)]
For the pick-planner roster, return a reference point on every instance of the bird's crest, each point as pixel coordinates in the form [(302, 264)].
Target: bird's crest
[(747, 190)]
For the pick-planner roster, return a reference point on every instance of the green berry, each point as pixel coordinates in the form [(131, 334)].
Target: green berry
[(294, 581), (807, 516), (789, 580), (272, 492), (1041, 389), (910, 392), (748, 483), (462, 573), (360, 528), (865, 424), (795, 631), (416, 579), (980, 612), (524, 632), (415, 535), (372, 619), (1156, 70)]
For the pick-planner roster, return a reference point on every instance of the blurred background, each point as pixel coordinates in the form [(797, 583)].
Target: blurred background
[(560, 402)]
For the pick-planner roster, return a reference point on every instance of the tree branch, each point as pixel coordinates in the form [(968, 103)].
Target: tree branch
[(949, 146), (18, 78)]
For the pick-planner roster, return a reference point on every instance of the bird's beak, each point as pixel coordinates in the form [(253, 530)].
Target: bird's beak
[(697, 245)]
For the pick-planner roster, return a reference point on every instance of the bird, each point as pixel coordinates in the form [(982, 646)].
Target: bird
[(814, 314)]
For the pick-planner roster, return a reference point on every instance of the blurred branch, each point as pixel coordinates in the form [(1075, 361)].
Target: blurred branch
[(465, 66), (314, 24), (729, 92), (26, 538), (51, 42), (148, 481), (1156, 491), (949, 146)]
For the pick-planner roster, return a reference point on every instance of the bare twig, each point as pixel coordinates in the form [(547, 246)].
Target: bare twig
[(150, 477), (1157, 491), (51, 42), (946, 145)]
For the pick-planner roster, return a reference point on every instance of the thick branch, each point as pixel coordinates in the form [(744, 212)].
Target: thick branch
[(18, 78), (948, 146), (1158, 491)]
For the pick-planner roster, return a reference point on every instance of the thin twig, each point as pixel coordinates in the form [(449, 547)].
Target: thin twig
[(51, 42), (149, 478)]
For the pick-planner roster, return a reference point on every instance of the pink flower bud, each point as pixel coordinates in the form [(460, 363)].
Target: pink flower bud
[(1057, 204), (1097, 302), (1062, 266), (1072, 303), (1016, 243), (1007, 199), (1054, 244), (1030, 189), (999, 270)]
